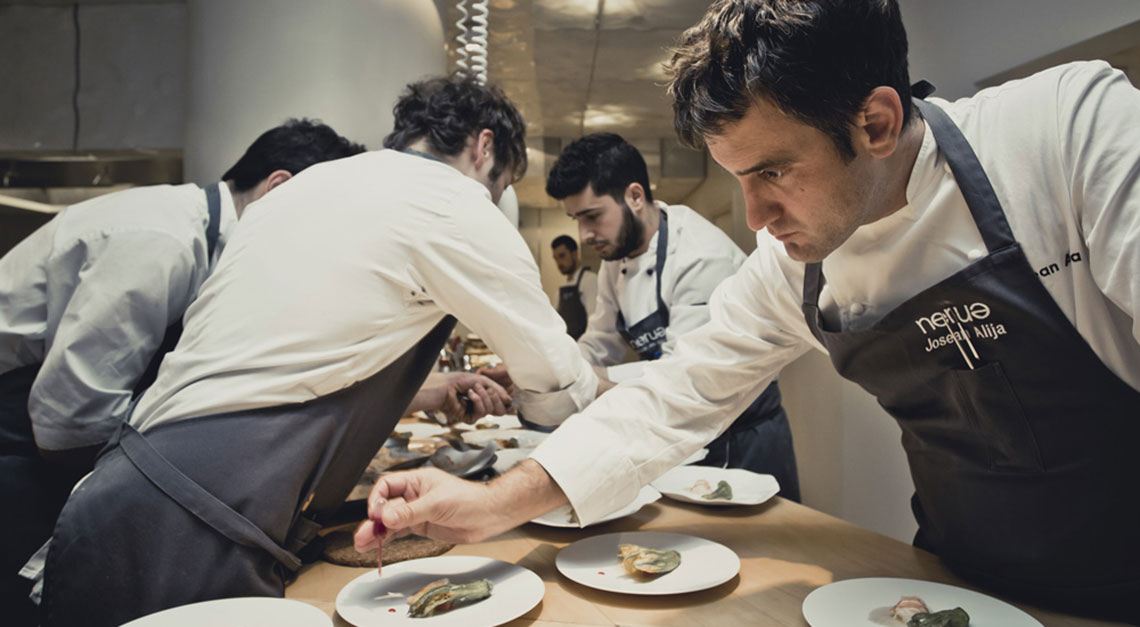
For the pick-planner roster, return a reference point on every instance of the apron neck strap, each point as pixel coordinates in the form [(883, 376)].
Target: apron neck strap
[(662, 251), (213, 228), (971, 178)]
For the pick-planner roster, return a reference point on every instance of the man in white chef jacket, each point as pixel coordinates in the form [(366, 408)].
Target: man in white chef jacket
[(89, 304), (660, 265), (972, 263), (576, 299), (302, 350)]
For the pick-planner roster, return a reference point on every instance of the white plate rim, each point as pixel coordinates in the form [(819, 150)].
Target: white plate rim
[(817, 600), (444, 565), (656, 539), (648, 494), (665, 487), (163, 617)]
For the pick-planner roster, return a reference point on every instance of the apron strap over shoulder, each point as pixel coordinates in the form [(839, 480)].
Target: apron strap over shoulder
[(196, 500)]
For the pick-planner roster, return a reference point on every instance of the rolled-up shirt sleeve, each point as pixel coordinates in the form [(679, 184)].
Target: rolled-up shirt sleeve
[(112, 315), (477, 267), (643, 427)]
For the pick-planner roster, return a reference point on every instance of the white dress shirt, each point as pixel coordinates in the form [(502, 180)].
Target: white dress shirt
[(1062, 150), (337, 273), (587, 287), (89, 296), (699, 258)]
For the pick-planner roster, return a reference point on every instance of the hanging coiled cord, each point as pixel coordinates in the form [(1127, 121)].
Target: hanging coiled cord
[(472, 40)]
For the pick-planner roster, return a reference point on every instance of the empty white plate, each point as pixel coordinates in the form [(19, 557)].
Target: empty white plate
[(237, 612), (868, 601), (374, 599), (594, 562), (687, 483), (561, 517)]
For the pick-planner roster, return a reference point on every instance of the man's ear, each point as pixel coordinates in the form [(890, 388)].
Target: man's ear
[(274, 179), (484, 147), (878, 124), (635, 196)]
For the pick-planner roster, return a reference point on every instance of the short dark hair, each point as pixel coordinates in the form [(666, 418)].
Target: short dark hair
[(449, 110), (604, 161), (816, 60), (564, 240), (293, 146)]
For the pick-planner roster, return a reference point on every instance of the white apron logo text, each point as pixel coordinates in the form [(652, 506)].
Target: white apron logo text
[(648, 338), (958, 326)]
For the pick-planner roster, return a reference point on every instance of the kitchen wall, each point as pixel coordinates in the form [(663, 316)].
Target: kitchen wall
[(851, 462), (132, 75)]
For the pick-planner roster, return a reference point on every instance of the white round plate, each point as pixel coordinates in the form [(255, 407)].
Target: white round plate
[(237, 612), (561, 517), (507, 458), (748, 488), (370, 598), (594, 562), (421, 430), (527, 438), (868, 601)]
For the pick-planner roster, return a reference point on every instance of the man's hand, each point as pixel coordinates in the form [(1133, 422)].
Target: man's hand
[(481, 396), (432, 503), (499, 374)]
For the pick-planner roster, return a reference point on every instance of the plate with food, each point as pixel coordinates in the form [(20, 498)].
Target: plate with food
[(565, 517), (648, 562), (889, 602), (237, 612), (707, 485), (450, 590), (505, 438)]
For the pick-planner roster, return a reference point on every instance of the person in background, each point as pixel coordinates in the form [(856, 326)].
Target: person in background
[(974, 264), (303, 349), (576, 298), (89, 304), (660, 265)]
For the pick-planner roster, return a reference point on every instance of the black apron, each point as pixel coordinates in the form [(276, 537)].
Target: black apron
[(570, 307), (218, 506), (760, 439), (39, 487), (1020, 440)]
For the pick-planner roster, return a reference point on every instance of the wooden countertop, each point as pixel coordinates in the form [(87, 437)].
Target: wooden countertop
[(786, 551)]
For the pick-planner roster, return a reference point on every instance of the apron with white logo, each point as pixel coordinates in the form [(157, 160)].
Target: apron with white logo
[(1021, 442)]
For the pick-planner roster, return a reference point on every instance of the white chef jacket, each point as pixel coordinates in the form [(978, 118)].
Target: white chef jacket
[(587, 287), (700, 256), (341, 270), (1062, 150), (89, 296)]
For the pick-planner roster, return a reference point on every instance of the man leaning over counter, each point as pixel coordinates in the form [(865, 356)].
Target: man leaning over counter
[(301, 352), (660, 265), (981, 260), (89, 305)]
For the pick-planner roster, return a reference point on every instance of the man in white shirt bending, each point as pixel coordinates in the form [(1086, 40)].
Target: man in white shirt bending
[(973, 264), (660, 265)]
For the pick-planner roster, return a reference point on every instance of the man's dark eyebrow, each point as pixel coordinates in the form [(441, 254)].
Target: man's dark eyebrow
[(583, 210), (767, 164)]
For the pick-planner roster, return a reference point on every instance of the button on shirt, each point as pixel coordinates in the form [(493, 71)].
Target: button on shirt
[(335, 274), (700, 256), (1061, 149), (90, 294)]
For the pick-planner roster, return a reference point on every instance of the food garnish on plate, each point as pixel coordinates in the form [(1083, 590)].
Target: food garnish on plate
[(646, 562), (912, 611), (442, 596)]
